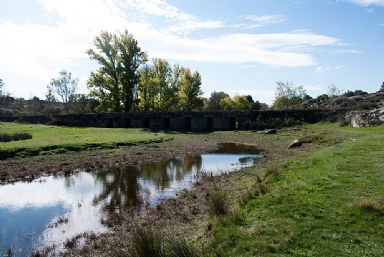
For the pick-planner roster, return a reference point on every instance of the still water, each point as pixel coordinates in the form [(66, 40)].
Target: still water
[(50, 210)]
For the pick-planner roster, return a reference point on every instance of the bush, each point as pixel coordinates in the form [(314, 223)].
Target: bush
[(7, 137)]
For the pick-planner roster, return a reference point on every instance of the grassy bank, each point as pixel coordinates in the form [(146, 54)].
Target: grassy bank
[(328, 203), (53, 139)]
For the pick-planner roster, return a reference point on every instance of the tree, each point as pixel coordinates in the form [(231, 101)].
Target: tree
[(3, 92), (131, 58), (241, 103), (227, 104), (64, 87), (104, 84), (214, 100), (333, 91), (115, 83), (288, 96), (382, 87), (166, 80), (147, 89), (1, 87), (50, 96), (190, 91)]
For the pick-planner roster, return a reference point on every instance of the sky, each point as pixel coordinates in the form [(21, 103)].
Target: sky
[(240, 47)]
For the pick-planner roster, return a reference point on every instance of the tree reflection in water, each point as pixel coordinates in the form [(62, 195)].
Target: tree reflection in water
[(121, 189), (126, 188)]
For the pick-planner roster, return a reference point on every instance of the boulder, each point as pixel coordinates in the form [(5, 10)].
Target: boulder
[(295, 143), (268, 131), (366, 119)]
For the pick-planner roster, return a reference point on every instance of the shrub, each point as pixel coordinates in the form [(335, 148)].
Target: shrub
[(7, 137)]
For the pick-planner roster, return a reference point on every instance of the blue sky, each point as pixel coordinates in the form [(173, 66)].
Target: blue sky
[(240, 47)]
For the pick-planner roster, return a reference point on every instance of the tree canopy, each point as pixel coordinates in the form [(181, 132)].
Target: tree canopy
[(288, 96), (215, 99), (116, 81), (64, 87)]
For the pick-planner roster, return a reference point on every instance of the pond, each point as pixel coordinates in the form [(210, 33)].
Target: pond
[(50, 210)]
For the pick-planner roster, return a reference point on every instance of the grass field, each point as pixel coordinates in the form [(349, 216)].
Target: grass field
[(53, 139), (329, 203)]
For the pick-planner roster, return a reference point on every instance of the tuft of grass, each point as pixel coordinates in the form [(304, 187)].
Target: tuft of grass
[(151, 242), (373, 206), (258, 189), (218, 203), (179, 247)]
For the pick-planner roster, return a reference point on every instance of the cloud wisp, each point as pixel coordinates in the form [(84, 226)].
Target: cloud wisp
[(366, 3), (264, 20)]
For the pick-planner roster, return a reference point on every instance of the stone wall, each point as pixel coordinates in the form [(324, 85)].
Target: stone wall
[(187, 121)]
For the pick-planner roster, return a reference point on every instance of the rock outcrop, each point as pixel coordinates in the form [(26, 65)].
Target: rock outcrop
[(366, 119)]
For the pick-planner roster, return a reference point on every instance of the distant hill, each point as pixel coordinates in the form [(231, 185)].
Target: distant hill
[(349, 100)]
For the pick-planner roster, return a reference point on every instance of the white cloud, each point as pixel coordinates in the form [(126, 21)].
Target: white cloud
[(33, 53), (366, 3), (260, 21), (320, 69), (346, 51), (324, 69)]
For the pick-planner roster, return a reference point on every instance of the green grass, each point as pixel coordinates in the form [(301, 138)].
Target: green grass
[(53, 139), (329, 203)]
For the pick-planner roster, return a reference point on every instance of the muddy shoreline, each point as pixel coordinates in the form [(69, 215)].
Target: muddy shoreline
[(28, 169)]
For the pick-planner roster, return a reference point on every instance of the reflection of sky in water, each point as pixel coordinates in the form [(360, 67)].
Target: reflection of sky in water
[(28, 211)]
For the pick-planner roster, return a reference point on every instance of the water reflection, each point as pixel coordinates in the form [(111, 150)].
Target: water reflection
[(120, 189), (29, 211)]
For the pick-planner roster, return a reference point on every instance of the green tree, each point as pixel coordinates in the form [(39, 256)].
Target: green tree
[(382, 87), (214, 100), (64, 87), (131, 57), (105, 83), (190, 91), (227, 104), (147, 89), (167, 82), (241, 103), (288, 96)]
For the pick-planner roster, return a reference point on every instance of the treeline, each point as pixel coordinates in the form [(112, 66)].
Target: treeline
[(125, 81)]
